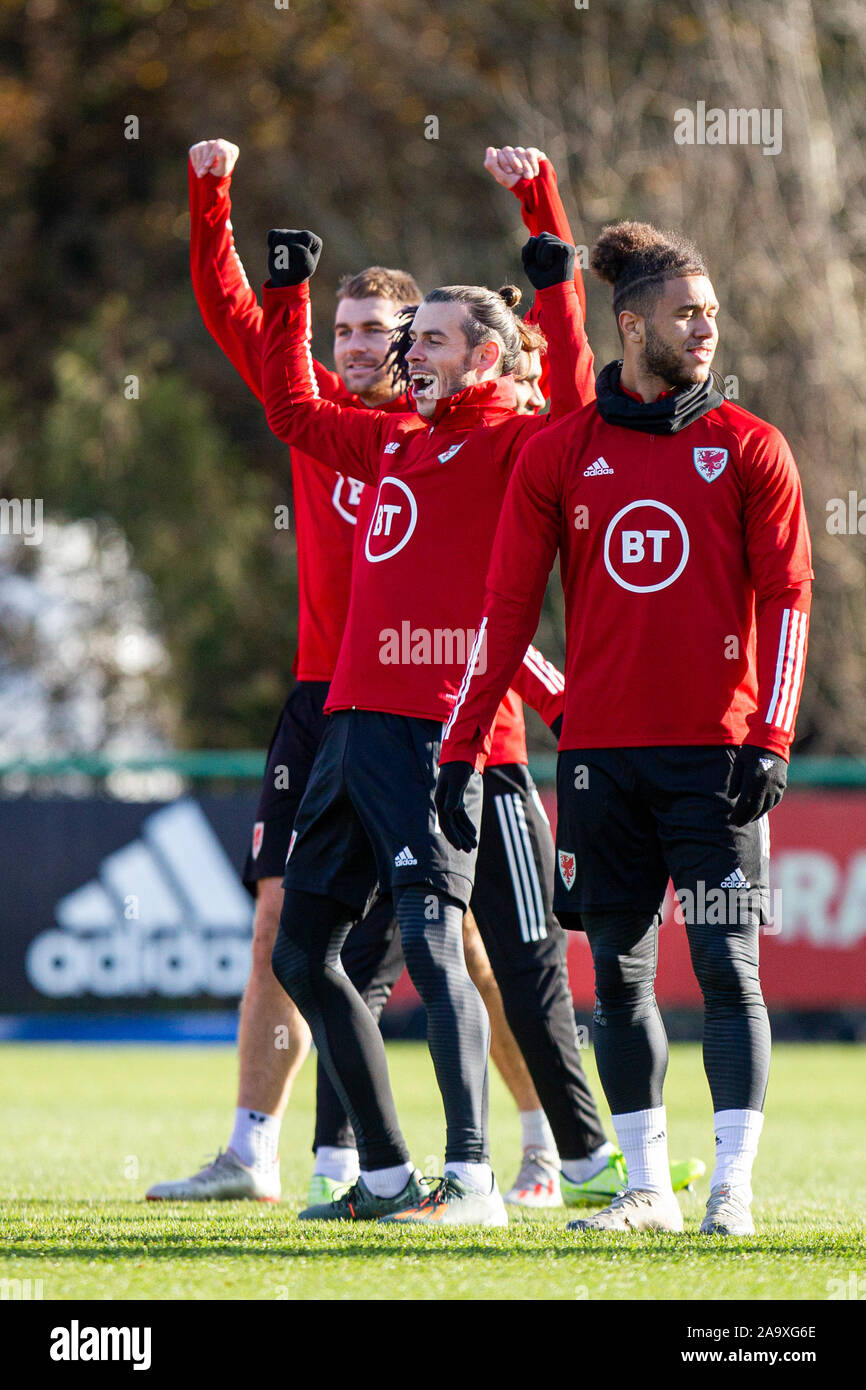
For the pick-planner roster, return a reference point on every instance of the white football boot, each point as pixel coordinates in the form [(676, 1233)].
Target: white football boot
[(537, 1183), (634, 1210), (453, 1203), (728, 1213), (224, 1180)]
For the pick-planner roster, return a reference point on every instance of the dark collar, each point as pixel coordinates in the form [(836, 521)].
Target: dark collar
[(668, 415)]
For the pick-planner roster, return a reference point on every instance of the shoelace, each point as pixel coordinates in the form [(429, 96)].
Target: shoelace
[(535, 1167), (212, 1160), (439, 1194), (351, 1194), (535, 1156), (628, 1197), (726, 1196)]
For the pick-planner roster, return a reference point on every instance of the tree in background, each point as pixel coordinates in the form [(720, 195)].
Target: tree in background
[(368, 122)]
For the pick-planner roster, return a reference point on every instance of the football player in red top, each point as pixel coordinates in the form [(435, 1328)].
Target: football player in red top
[(325, 510), (517, 923), (686, 566), (367, 813)]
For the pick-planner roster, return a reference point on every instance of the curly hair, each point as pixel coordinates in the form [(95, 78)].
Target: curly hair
[(637, 259)]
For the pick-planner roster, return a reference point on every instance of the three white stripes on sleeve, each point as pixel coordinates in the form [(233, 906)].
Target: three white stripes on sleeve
[(789, 669)]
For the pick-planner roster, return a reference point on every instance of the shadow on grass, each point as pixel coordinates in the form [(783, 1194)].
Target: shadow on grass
[(642, 1251), (131, 1231)]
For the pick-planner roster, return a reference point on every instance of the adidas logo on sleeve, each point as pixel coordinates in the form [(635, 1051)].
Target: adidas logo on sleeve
[(595, 470), (405, 859)]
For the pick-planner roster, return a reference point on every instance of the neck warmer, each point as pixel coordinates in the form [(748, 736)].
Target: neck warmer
[(668, 415)]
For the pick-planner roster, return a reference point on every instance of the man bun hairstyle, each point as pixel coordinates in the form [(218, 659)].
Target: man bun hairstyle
[(488, 315), (531, 337), (637, 259)]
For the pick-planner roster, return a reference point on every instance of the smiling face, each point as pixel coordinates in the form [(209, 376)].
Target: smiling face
[(440, 360), (527, 378), (362, 337), (677, 339)]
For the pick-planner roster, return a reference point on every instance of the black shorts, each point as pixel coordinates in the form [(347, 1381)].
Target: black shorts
[(513, 893), (631, 818), (291, 755), (368, 815)]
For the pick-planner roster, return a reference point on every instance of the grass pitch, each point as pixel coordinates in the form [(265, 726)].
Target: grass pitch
[(88, 1129)]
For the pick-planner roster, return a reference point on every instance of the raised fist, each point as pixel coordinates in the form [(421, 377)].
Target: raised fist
[(292, 255), (217, 157), (512, 163), (548, 261)]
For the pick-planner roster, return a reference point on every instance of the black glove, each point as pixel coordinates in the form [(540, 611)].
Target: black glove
[(453, 820), (556, 727), (548, 261), (292, 256), (758, 781)]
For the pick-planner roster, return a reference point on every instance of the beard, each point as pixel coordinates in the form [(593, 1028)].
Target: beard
[(456, 380), (664, 361)]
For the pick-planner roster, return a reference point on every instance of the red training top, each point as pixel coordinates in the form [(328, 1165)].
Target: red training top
[(326, 506), (418, 577), (686, 566)]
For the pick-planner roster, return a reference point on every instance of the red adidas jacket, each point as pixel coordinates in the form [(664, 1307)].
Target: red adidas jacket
[(326, 507), (686, 566), (440, 485)]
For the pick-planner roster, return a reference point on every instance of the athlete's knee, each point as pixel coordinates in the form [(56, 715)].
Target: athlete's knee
[(624, 957), (726, 964), (266, 922), (292, 966), (301, 946), (475, 955), (431, 930), (424, 963)]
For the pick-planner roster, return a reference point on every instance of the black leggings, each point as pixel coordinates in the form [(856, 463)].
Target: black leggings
[(631, 1047), (306, 961), (373, 959), (536, 996)]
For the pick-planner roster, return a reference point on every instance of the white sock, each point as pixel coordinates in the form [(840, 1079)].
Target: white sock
[(387, 1182), (339, 1164), (476, 1175), (737, 1135), (582, 1169), (536, 1131), (255, 1138), (643, 1138)]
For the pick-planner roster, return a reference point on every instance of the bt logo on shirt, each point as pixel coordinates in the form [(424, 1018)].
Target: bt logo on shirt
[(646, 546), (395, 514), (346, 496)]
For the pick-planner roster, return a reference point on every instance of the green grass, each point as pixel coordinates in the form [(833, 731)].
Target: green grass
[(88, 1129)]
